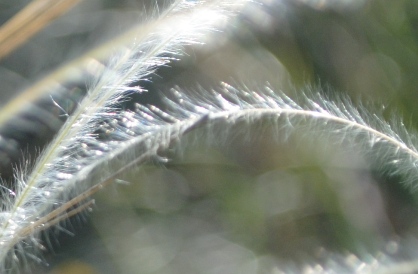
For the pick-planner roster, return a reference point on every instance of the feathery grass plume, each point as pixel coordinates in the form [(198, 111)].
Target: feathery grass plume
[(219, 114), (137, 137), (70, 164), (390, 145), (78, 163)]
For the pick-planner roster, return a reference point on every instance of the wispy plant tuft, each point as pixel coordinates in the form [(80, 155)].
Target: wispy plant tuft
[(74, 159), (99, 141), (337, 121)]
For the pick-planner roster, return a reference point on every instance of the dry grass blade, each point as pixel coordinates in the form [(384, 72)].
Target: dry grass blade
[(33, 18)]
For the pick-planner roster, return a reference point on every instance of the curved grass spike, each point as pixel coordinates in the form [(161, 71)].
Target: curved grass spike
[(77, 163), (66, 167), (142, 135)]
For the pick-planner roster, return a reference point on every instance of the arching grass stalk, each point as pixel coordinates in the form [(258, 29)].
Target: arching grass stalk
[(64, 168), (148, 132)]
